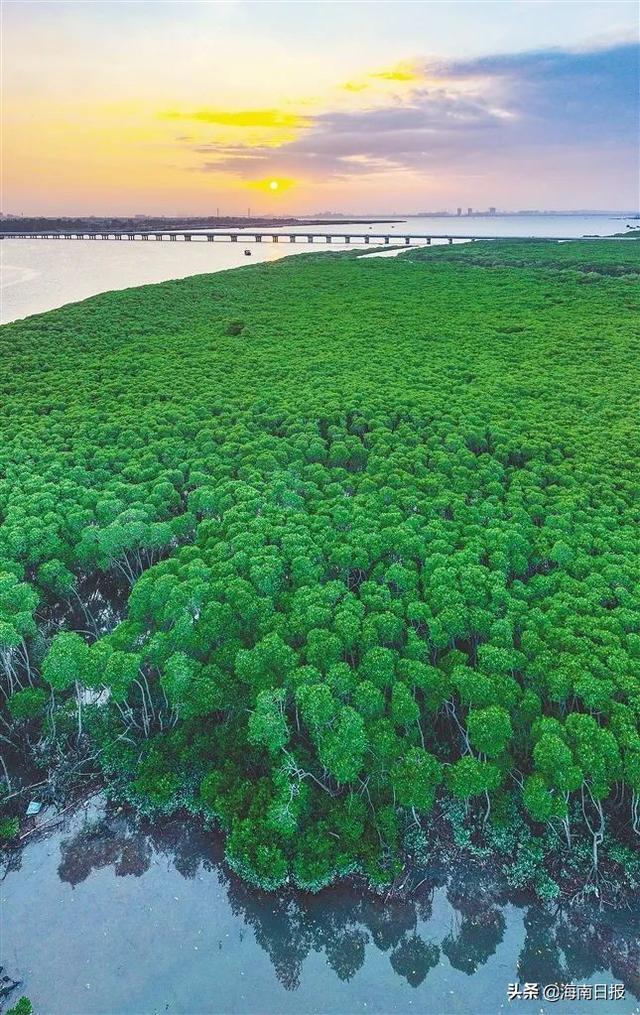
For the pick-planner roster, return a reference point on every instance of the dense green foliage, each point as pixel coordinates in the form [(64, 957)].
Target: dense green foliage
[(605, 258), (22, 1007), (380, 523)]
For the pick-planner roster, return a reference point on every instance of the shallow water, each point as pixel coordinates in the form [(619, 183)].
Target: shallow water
[(106, 916), (39, 275)]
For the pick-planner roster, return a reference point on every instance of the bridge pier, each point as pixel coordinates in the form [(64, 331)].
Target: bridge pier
[(187, 236), (367, 239), (450, 240), (292, 237), (172, 236), (210, 238), (347, 239), (234, 237), (310, 238), (258, 237), (274, 238), (328, 239), (386, 240), (407, 240)]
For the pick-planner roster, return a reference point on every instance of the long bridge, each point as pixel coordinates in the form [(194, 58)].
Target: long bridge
[(234, 236)]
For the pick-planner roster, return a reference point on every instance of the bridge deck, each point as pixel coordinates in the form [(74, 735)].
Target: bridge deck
[(276, 236)]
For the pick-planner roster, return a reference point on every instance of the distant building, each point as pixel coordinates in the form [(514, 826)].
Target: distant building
[(492, 211), (469, 211), (458, 211)]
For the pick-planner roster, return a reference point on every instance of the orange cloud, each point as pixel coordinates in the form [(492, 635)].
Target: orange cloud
[(355, 86), (400, 72), (264, 118)]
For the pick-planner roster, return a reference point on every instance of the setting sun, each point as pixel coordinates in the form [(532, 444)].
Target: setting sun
[(271, 185)]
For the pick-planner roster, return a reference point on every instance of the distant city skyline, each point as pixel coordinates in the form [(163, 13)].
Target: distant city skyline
[(339, 216), (491, 212), (184, 107)]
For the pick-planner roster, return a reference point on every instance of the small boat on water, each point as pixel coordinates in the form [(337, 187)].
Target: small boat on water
[(247, 253)]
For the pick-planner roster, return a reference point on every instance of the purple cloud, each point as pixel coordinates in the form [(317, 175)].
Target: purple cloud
[(468, 114)]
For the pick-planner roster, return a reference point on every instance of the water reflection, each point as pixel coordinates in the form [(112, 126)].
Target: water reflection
[(572, 945), (341, 923), (480, 929)]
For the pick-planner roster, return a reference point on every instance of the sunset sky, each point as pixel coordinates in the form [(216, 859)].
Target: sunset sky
[(179, 108)]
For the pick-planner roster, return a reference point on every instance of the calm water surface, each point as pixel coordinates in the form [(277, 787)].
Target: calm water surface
[(109, 917), (38, 275)]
